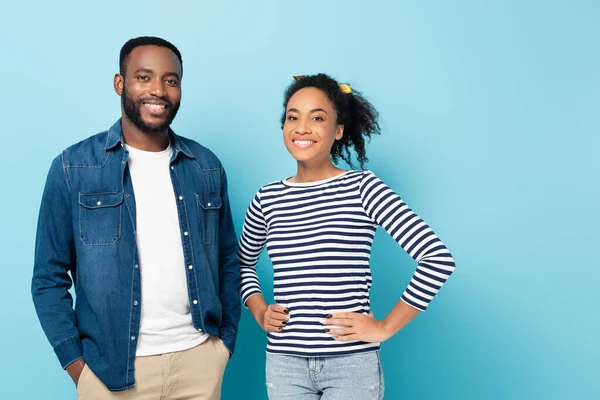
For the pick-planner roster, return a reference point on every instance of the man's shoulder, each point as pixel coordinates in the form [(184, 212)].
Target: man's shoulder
[(200, 152), (88, 152)]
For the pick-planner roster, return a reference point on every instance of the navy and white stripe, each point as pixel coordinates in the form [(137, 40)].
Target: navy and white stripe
[(319, 236)]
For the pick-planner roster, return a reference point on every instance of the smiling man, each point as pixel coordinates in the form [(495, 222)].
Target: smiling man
[(139, 219)]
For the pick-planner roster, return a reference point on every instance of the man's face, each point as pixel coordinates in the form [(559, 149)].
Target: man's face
[(151, 88)]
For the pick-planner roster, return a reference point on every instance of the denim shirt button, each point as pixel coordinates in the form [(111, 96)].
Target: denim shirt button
[(132, 338), (185, 233), (180, 197), (135, 302), (190, 266), (195, 302), (136, 266)]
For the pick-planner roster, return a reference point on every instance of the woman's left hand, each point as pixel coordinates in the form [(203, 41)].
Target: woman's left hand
[(357, 327)]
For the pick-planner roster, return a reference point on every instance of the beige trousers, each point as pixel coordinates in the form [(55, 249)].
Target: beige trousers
[(194, 374)]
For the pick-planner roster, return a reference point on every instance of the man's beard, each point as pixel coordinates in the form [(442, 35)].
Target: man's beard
[(133, 112)]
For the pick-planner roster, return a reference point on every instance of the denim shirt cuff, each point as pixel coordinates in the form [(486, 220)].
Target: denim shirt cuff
[(228, 337), (69, 350)]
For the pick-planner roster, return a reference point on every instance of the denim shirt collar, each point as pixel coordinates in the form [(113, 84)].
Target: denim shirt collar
[(115, 138)]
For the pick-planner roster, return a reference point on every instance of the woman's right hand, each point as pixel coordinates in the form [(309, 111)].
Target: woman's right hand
[(274, 318)]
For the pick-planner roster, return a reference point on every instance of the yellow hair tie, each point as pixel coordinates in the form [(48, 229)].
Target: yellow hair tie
[(345, 88)]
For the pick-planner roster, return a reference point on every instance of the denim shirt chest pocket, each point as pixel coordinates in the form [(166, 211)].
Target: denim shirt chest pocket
[(100, 217), (209, 207)]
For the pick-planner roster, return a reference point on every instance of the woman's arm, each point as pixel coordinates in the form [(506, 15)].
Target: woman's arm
[(434, 263)]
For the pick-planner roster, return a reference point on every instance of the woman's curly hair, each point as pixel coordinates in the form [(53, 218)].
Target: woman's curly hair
[(359, 117)]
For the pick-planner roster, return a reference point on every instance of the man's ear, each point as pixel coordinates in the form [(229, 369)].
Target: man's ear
[(118, 83)]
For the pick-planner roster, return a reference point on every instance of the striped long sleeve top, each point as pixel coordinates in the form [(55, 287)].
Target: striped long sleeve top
[(319, 236)]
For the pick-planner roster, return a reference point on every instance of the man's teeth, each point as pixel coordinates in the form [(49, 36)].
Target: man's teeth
[(156, 106)]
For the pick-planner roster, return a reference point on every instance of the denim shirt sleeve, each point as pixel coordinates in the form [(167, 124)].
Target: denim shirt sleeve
[(229, 271), (54, 258)]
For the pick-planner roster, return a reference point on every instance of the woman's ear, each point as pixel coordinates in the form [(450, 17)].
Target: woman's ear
[(339, 132)]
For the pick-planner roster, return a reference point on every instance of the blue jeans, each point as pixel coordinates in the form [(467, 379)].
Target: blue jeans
[(350, 377)]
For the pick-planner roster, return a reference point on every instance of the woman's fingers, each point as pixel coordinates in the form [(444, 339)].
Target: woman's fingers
[(275, 318)]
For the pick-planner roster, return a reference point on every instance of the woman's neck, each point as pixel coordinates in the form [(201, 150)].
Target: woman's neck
[(311, 172)]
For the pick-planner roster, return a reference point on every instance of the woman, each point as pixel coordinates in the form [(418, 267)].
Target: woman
[(318, 227)]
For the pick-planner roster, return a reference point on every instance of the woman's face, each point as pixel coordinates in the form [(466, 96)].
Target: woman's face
[(310, 126)]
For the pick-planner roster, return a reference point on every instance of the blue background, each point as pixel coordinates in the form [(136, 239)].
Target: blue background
[(490, 112)]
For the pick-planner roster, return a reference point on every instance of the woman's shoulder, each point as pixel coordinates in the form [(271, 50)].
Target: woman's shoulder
[(367, 175), (271, 187)]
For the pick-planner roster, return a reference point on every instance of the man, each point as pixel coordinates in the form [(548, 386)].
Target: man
[(140, 218)]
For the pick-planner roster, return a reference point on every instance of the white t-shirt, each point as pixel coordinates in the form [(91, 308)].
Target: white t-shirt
[(166, 323)]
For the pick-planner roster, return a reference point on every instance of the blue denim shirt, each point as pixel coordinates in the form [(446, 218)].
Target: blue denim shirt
[(87, 228)]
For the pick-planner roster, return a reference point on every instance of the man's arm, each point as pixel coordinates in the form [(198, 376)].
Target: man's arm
[(54, 258), (229, 271)]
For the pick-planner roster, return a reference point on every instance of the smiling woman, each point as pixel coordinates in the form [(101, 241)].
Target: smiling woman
[(317, 107), (318, 227)]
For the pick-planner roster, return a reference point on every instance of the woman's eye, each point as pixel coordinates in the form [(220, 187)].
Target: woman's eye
[(292, 118)]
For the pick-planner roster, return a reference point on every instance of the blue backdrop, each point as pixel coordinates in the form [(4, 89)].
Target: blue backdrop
[(490, 112)]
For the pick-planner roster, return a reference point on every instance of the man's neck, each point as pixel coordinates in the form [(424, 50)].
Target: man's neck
[(147, 141)]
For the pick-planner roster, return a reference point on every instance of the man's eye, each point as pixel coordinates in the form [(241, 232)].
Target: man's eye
[(143, 78)]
